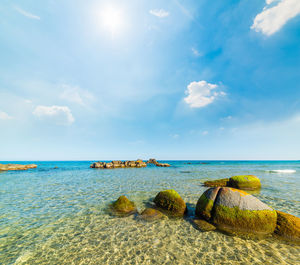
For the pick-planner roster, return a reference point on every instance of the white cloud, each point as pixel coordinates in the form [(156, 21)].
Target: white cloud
[(60, 115), (205, 133), (201, 94), (274, 17), (4, 116), (26, 14), (161, 13), (196, 52), (76, 95)]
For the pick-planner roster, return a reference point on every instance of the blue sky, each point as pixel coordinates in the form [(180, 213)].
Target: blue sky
[(168, 79)]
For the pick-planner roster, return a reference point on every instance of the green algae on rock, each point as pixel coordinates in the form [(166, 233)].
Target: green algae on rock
[(216, 183), (150, 214), (288, 226), (123, 206), (244, 182), (203, 225), (236, 212), (171, 202), (205, 203)]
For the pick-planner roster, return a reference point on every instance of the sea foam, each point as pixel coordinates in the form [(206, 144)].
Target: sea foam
[(282, 171)]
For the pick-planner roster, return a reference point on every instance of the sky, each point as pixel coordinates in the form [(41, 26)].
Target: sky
[(173, 79)]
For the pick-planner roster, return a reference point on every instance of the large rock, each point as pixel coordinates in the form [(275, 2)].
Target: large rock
[(244, 182), (151, 214), (206, 202), (236, 212), (123, 206), (5, 167), (288, 226), (171, 202)]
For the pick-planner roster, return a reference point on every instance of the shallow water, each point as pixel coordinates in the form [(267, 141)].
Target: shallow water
[(58, 216)]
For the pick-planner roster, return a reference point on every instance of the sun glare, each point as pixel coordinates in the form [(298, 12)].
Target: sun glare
[(112, 20)]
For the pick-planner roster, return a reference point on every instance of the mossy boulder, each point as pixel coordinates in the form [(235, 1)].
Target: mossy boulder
[(216, 183), (203, 225), (236, 212), (244, 182), (170, 202), (206, 202), (150, 214), (123, 206), (288, 226)]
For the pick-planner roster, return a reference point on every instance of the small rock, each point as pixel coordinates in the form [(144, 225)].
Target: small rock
[(123, 206), (151, 214), (203, 225), (171, 202)]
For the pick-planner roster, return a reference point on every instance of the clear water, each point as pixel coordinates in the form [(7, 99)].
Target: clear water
[(58, 216)]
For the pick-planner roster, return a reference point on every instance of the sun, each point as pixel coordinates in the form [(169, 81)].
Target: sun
[(112, 20)]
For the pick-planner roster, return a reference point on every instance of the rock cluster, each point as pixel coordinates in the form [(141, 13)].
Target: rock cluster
[(154, 162), (119, 164), (5, 167), (229, 210), (244, 182)]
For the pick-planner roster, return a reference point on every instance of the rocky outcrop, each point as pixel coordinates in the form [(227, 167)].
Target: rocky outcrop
[(171, 203), (119, 164), (151, 214), (236, 212), (5, 167), (154, 162), (124, 207), (288, 227), (243, 182)]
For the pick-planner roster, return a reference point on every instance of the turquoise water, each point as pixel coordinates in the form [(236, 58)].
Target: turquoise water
[(58, 216)]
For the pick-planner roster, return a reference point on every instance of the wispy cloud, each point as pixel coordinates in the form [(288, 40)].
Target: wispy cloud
[(60, 115), (26, 13), (76, 95), (274, 17), (201, 94), (4, 116), (161, 13)]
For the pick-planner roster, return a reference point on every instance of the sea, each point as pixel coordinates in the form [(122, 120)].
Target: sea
[(58, 214)]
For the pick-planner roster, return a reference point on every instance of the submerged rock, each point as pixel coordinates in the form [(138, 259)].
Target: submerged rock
[(5, 167), (243, 182), (163, 165), (236, 212), (203, 225), (216, 183), (151, 214), (171, 202), (288, 226), (123, 206)]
